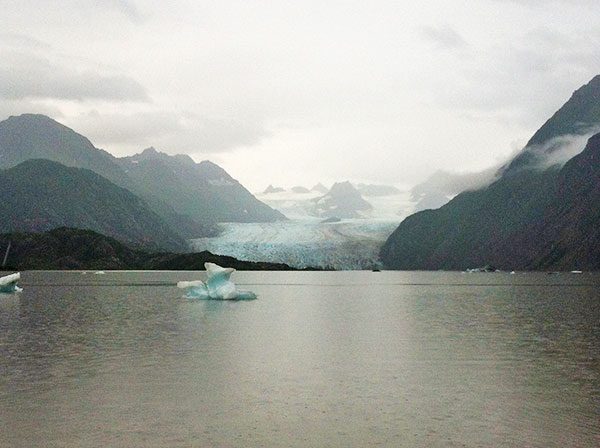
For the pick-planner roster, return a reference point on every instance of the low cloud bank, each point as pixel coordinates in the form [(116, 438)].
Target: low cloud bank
[(443, 185), (559, 150)]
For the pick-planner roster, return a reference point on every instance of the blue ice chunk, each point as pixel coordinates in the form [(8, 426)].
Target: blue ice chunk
[(217, 287), (8, 283)]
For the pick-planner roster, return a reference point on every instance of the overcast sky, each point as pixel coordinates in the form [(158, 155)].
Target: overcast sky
[(295, 92)]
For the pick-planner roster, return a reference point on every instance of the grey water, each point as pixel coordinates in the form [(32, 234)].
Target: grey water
[(336, 359)]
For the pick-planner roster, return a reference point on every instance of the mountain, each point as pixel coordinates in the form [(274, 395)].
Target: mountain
[(204, 191), (32, 136), (39, 195), (530, 218), (66, 248), (320, 188), (189, 197), (300, 189), (342, 201), (271, 189), (548, 220)]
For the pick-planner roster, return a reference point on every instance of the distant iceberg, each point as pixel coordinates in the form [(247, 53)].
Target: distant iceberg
[(486, 268), (218, 286), (8, 283)]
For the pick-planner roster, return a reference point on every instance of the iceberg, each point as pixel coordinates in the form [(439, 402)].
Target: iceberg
[(8, 283), (218, 286)]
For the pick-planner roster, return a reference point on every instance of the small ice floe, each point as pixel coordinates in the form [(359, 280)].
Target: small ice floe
[(8, 283), (486, 268), (218, 286)]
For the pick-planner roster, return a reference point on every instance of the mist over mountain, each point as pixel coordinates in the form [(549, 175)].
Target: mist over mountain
[(578, 116), (442, 186), (385, 202), (39, 195), (319, 188), (300, 189), (439, 188), (376, 190), (540, 214), (272, 189)]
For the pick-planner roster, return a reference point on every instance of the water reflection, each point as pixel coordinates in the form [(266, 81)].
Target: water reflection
[(328, 359)]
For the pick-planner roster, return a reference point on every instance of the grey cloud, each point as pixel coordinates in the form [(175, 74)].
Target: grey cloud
[(512, 82), (173, 132), (537, 3), (366, 82), (127, 7), (223, 134), (22, 41), (88, 8), (23, 106), (24, 75), (443, 37), (124, 129)]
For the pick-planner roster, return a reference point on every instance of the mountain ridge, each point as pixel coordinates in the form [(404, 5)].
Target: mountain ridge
[(526, 219), (343, 200), (40, 194), (35, 136), (196, 189)]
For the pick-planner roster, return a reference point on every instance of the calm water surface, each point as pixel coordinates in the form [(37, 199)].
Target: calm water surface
[(338, 359)]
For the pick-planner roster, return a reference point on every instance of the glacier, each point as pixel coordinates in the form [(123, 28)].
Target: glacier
[(8, 283), (218, 286), (348, 244), (306, 240)]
